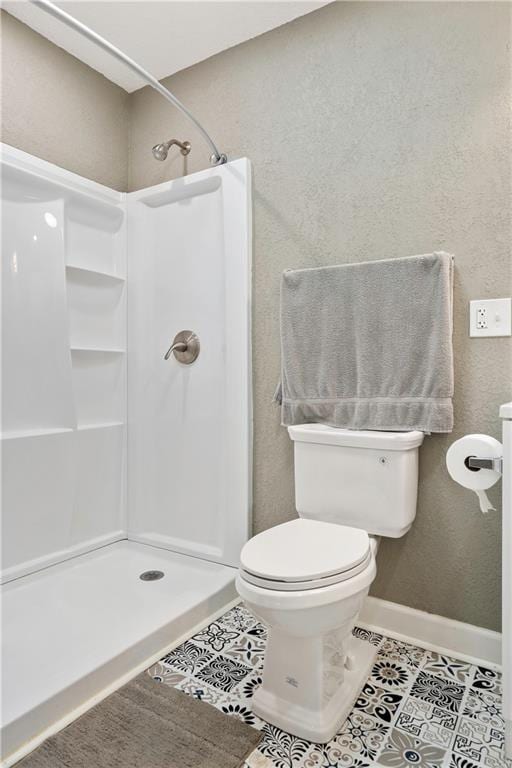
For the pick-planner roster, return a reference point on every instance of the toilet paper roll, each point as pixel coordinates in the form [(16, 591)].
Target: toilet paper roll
[(482, 446)]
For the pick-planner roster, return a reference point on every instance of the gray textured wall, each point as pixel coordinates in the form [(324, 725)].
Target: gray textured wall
[(375, 130), (61, 110)]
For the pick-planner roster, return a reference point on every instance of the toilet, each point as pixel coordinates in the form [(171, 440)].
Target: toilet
[(306, 579)]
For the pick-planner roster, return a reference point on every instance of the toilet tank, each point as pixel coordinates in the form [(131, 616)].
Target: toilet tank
[(363, 479)]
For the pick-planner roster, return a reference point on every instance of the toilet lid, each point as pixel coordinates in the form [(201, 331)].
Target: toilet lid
[(304, 550)]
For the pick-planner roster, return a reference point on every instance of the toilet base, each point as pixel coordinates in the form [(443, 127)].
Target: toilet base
[(322, 724)]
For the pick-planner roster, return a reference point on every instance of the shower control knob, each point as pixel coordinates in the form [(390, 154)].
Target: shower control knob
[(185, 347)]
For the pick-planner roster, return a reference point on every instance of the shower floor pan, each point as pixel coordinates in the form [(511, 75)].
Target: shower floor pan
[(74, 632)]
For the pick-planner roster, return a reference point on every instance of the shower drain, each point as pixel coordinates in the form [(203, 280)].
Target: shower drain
[(151, 575)]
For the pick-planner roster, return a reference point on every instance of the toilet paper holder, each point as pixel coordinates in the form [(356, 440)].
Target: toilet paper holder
[(475, 462), (484, 462)]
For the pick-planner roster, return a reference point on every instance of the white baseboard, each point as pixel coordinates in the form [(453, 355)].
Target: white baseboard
[(437, 633)]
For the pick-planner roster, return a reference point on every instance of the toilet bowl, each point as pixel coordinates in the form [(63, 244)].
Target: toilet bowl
[(306, 579), (314, 667)]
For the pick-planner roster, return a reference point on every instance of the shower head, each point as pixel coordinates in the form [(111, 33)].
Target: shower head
[(160, 151)]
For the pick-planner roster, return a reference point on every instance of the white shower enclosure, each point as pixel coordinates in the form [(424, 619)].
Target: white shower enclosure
[(188, 425), (115, 460)]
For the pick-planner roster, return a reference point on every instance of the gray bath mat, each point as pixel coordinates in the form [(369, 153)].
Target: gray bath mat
[(148, 725)]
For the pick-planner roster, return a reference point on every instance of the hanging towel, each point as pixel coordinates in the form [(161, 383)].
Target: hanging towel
[(369, 345)]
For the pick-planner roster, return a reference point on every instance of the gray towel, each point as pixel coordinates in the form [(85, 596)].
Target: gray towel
[(369, 345)]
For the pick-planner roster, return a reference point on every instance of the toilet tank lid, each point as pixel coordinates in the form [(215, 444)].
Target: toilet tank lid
[(389, 441)]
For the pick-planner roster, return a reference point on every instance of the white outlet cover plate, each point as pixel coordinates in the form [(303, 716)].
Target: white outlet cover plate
[(498, 317)]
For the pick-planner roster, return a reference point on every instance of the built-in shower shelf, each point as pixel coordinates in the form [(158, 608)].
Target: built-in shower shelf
[(103, 350), (92, 274), (104, 425), (15, 434)]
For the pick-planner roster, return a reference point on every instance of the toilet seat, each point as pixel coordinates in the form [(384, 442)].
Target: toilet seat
[(304, 554)]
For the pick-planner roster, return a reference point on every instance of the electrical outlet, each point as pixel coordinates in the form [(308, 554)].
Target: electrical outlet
[(490, 317), (481, 318)]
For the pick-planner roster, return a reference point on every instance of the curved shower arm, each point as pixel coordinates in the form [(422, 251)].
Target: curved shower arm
[(217, 158)]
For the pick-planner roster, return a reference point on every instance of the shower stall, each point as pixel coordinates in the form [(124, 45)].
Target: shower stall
[(116, 461)]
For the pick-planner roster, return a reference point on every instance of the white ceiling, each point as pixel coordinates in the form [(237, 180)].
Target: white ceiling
[(161, 35)]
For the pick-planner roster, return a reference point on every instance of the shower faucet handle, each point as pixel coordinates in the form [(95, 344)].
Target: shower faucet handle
[(180, 346), (185, 347)]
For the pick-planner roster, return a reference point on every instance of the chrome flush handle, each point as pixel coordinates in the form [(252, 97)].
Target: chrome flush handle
[(185, 347)]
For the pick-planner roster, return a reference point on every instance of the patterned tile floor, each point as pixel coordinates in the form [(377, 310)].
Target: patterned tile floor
[(417, 708)]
